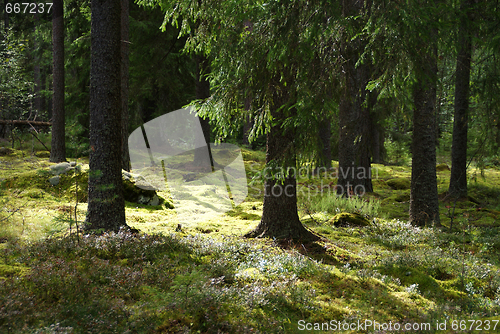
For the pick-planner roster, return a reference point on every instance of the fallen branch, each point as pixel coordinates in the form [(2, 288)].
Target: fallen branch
[(34, 135), (16, 210), (24, 122)]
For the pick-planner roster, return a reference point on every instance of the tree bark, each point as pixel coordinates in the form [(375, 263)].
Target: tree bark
[(280, 217), (424, 206), (58, 143), (106, 206), (124, 81), (37, 77), (458, 177), (203, 155), (5, 17), (324, 136), (354, 174)]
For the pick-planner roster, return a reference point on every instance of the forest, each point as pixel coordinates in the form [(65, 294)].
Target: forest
[(250, 166)]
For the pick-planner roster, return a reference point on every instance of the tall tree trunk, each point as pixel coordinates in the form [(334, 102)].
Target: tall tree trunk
[(348, 121), (106, 206), (376, 143), (324, 137), (354, 174), (203, 155), (280, 217), (458, 177), (124, 81), (424, 206), (37, 78), (5, 16), (363, 146), (58, 144)]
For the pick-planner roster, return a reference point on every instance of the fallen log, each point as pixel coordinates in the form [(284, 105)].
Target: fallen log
[(24, 122)]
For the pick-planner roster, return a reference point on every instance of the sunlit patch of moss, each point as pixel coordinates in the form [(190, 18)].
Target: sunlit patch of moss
[(241, 213), (250, 155), (7, 270), (380, 184)]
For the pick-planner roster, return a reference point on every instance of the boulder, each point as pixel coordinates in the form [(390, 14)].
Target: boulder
[(63, 168), (146, 194), (54, 180)]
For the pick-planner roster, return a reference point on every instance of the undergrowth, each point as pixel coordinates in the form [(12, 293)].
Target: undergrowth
[(54, 281)]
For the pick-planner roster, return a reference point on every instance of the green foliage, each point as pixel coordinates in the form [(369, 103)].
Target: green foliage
[(76, 144), (398, 152), (332, 203), (15, 83)]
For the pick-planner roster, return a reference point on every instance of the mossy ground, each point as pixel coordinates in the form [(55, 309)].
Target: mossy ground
[(207, 278)]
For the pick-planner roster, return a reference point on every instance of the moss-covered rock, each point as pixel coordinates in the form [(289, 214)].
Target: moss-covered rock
[(5, 151), (33, 193), (379, 183), (134, 194), (42, 154), (442, 167), (403, 196), (399, 183), (349, 219)]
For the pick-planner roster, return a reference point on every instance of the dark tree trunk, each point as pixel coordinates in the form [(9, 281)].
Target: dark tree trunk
[(354, 117), (424, 206), (354, 174), (58, 144), (203, 155), (37, 76), (106, 206), (324, 137), (348, 121), (458, 177), (124, 82), (376, 144), (280, 217), (363, 153), (5, 16)]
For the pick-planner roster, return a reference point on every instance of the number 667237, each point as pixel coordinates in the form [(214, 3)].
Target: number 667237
[(28, 7)]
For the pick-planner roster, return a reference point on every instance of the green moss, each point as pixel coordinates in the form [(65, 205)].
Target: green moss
[(380, 183), (10, 271), (401, 196), (33, 193), (42, 154), (442, 167), (349, 219), (399, 183), (249, 155), (240, 213)]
